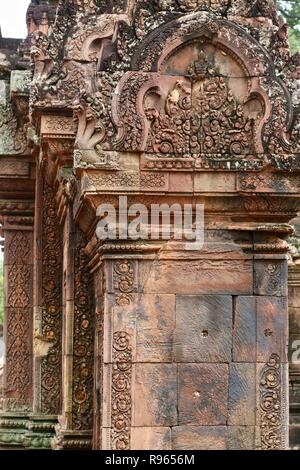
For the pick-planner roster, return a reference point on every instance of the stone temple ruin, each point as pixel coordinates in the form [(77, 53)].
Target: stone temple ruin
[(142, 344)]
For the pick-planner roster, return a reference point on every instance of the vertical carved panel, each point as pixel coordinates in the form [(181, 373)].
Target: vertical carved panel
[(99, 283), (121, 402), (82, 396), (124, 281), (51, 306), (19, 321), (270, 405)]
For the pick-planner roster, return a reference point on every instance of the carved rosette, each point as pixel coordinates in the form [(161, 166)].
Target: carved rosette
[(82, 396), (51, 373), (121, 402), (124, 284), (270, 405)]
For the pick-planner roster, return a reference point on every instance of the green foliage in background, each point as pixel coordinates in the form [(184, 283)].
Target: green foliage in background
[(290, 10)]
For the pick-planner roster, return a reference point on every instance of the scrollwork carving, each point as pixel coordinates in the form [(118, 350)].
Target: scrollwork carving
[(270, 405), (121, 405), (82, 399), (51, 326)]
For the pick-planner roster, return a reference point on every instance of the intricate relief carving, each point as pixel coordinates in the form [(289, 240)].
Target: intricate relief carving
[(274, 182), (19, 318), (13, 138), (278, 137), (218, 124), (95, 129), (153, 180), (121, 403), (130, 180), (51, 327), (58, 125), (19, 288), (18, 358), (113, 180), (19, 247), (20, 81), (124, 281), (82, 416), (270, 405), (202, 118), (170, 131), (128, 119)]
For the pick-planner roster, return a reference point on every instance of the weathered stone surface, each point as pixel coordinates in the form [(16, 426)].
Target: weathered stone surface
[(202, 276), (272, 328), (203, 329), (243, 438), (155, 325), (271, 278), (154, 395), (148, 438), (199, 438), (244, 329), (242, 394), (203, 394), (215, 183)]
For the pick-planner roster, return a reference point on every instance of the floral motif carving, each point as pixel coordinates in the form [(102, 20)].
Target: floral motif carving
[(19, 318), (170, 132), (121, 404), (129, 120), (82, 416), (270, 405), (51, 327), (116, 180), (124, 281), (201, 118)]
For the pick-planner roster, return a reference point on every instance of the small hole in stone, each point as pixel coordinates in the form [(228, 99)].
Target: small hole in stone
[(268, 332), (204, 333), (196, 394)]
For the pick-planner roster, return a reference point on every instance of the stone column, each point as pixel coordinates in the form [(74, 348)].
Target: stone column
[(47, 319), (18, 313)]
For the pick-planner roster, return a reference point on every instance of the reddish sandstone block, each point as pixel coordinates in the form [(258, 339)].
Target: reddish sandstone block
[(271, 277), (243, 438), (203, 276), (203, 328), (242, 394), (149, 438), (155, 326), (244, 329), (199, 438), (203, 394), (272, 328), (154, 395)]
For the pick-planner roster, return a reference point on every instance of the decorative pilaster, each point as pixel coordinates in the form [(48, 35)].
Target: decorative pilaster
[(294, 337), (18, 259), (74, 430), (47, 320)]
